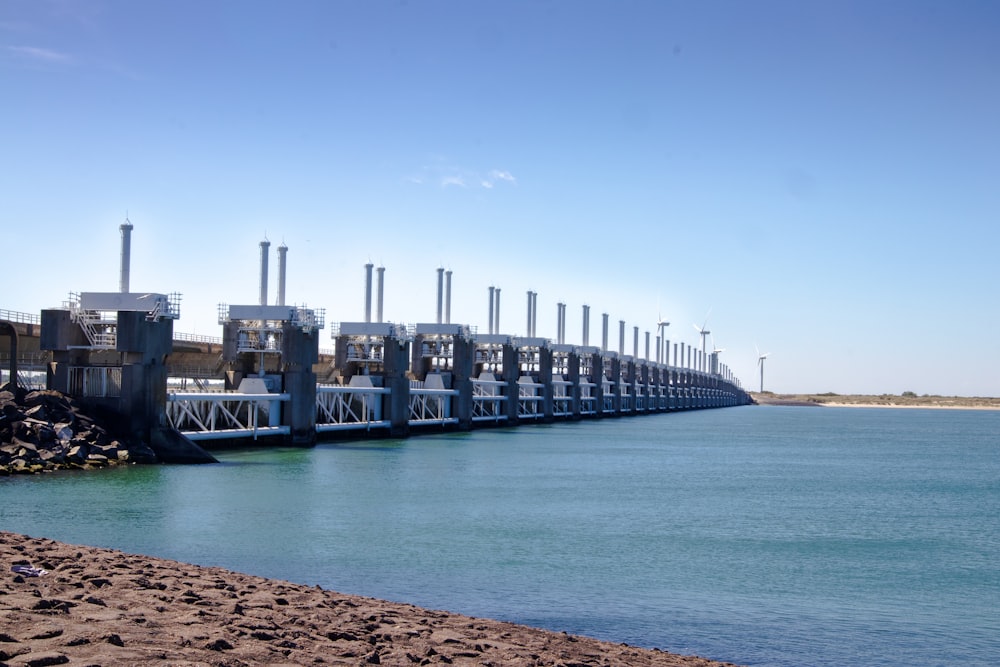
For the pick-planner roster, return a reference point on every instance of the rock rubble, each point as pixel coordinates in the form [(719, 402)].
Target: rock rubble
[(47, 430)]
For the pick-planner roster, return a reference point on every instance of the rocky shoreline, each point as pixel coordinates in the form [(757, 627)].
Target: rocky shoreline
[(97, 606), (42, 431)]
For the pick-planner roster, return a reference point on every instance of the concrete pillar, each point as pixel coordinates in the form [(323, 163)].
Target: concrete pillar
[(534, 314), (440, 299), (496, 320), (597, 368), (381, 287), (368, 291), (616, 385), (509, 375), (545, 379), (447, 299), (604, 334), (491, 329), (681, 377), (299, 353), (282, 267), (527, 326), (621, 338), (396, 403), (560, 314), (7, 328), (126, 258), (264, 246), (573, 376), (138, 412), (463, 363), (563, 332), (586, 326)]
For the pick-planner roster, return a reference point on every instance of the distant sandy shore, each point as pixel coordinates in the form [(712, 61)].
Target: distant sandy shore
[(879, 401), (104, 607), (909, 407)]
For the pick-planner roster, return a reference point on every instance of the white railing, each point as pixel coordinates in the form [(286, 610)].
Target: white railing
[(588, 401), (344, 408), (262, 338), (431, 406), (16, 316), (208, 416), (488, 400), (365, 351), (101, 333), (529, 400), (197, 338), (562, 400)]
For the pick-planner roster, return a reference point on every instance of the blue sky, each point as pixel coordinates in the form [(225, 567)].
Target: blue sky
[(823, 177)]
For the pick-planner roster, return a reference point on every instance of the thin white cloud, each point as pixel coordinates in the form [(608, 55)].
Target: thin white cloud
[(447, 174), (447, 181), (502, 175), (40, 55)]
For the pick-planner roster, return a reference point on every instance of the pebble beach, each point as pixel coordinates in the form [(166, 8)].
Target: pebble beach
[(96, 606)]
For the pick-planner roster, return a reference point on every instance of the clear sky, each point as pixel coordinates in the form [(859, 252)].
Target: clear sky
[(823, 177)]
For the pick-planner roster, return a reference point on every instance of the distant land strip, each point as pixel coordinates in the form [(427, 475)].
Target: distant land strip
[(907, 399)]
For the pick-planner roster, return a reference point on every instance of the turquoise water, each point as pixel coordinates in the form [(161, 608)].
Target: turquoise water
[(758, 535)]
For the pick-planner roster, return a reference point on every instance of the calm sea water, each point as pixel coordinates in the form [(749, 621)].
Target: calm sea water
[(758, 535)]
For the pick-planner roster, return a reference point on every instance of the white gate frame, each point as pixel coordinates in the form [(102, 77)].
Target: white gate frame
[(215, 416), (562, 399), (431, 406), (487, 398), (345, 408)]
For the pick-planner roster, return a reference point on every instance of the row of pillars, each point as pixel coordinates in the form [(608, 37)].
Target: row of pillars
[(662, 388), (695, 358)]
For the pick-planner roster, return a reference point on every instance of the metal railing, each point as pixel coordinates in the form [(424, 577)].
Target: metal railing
[(431, 406), (197, 338), (529, 400), (588, 401), (19, 317), (101, 333), (562, 400), (609, 398), (488, 400), (213, 416), (340, 408)]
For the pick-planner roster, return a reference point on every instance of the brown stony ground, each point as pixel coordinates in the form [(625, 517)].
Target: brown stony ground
[(104, 607)]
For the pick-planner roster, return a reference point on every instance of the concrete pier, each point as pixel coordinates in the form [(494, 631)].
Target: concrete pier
[(109, 351)]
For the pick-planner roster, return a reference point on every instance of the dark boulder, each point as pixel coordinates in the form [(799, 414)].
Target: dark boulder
[(45, 430)]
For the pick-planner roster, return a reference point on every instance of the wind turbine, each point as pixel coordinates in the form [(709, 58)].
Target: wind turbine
[(760, 362), (703, 331), (716, 351), (661, 324)]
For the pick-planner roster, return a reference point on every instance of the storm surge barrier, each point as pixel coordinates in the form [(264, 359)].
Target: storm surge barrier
[(267, 378)]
